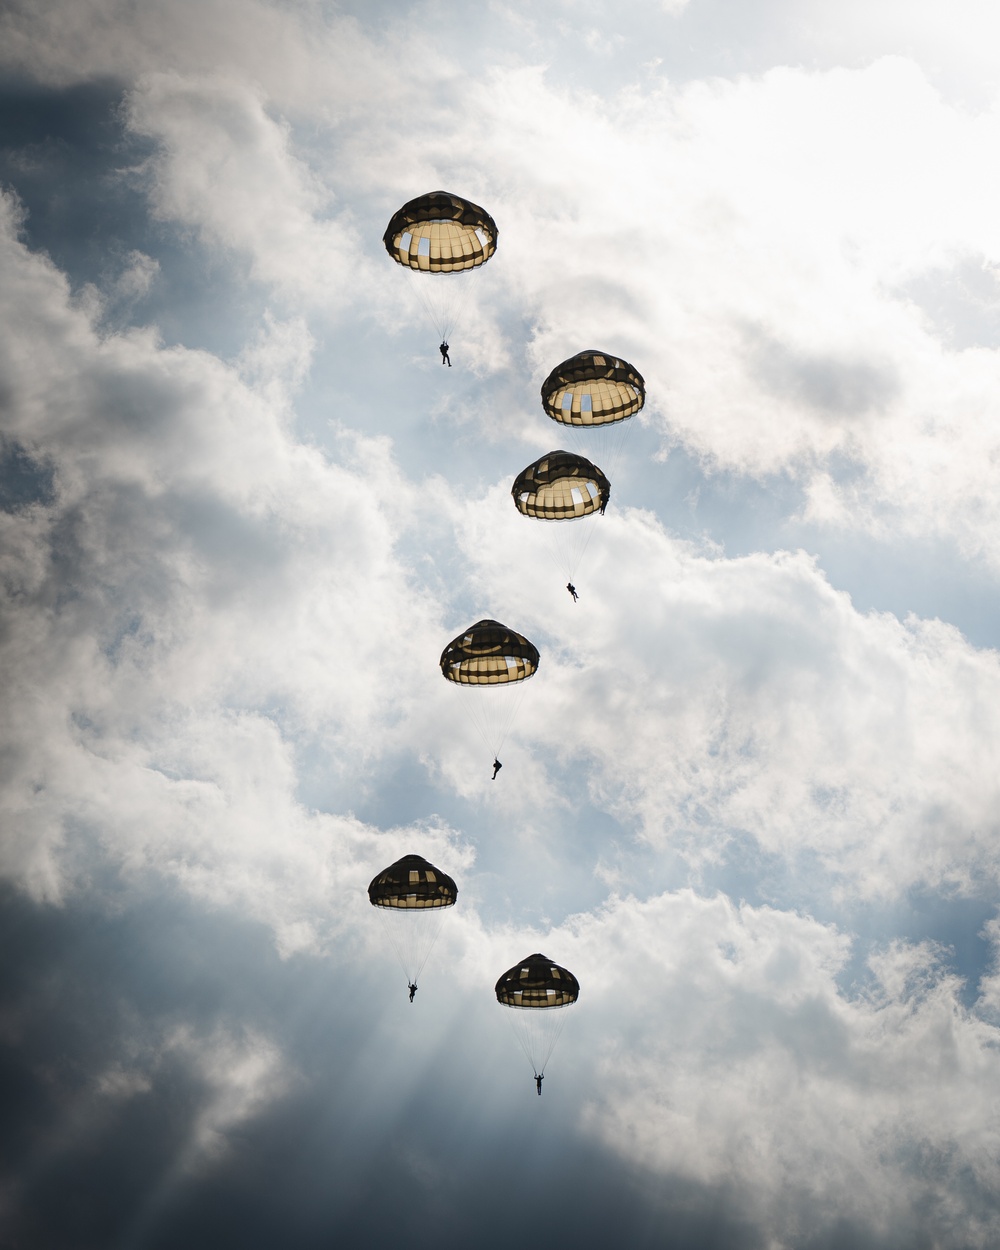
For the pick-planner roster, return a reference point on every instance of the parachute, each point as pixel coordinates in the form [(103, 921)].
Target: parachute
[(561, 486), (445, 236), (595, 393), (441, 233), (593, 388), (410, 896), (493, 662), (489, 654), (535, 988)]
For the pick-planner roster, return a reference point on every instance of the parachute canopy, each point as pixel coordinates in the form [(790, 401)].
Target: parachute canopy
[(561, 486), (441, 233), (537, 982), (412, 884), (593, 388), (489, 654)]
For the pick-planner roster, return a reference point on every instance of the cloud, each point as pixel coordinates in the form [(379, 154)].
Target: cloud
[(714, 700), (224, 169), (714, 1061), (292, 54), (779, 211), (728, 1055)]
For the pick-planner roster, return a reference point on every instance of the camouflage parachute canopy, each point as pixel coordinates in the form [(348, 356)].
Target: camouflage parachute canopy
[(593, 388), (489, 654), (412, 884), (441, 233), (560, 486), (537, 982)]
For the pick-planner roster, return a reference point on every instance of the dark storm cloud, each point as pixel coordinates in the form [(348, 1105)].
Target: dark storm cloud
[(23, 479), (76, 169), (373, 1137), (92, 994), (62, 150)]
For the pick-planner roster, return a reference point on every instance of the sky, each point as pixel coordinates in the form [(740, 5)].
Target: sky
[(752, 796)]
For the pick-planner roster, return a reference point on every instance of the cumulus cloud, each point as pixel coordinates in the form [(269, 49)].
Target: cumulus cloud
[(714, 698), (758, 242), (292, 53), (816, 1106), (225, 170)]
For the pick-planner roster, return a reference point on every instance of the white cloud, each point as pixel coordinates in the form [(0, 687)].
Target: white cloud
[(224, 168), (295, 54), (714, 697), (757, 241), (729, 1056)]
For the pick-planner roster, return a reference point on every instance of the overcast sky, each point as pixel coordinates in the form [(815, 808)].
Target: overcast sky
[(752, 796)]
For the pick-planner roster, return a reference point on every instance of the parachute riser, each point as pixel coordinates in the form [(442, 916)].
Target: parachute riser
[(413, 936), (536, 1031)]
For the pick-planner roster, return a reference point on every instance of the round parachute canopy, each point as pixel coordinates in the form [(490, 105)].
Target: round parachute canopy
[(593, 388), (561, 486), (441, 233), (412, 884), (536, 982), (489, 654)]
